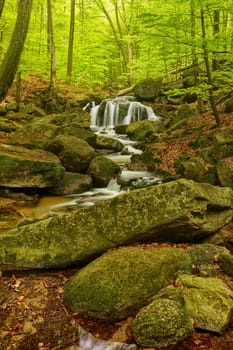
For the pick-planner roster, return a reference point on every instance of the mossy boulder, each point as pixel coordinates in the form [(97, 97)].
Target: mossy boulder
[(71, 183), (75, 154), (178, 211), (162, 323), (21, 167), (209, 301), (102, 170), (103, 142), (120, 282), (148, 89), (225, 172), (143, 129)]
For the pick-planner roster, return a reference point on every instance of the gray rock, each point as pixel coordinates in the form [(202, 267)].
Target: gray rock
[(179, 211)]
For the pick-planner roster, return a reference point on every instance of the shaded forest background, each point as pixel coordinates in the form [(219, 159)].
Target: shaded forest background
[(115, 43)]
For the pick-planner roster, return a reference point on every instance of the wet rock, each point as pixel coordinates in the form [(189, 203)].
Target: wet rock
[(102, 170), (71, 183), (108, 143)]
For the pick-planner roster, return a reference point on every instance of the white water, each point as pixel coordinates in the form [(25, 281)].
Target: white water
[(119, 110)]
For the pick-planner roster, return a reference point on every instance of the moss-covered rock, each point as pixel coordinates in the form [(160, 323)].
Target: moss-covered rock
[(143, 129), (208, 301), (108, 143), (102, 170), (75, 154), (148, 89), (71, 183), (117, 284), (178, 211), (225, 172), (20, 167), (163, 322)]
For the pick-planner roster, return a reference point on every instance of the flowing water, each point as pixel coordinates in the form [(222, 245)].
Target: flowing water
[(119, 110)]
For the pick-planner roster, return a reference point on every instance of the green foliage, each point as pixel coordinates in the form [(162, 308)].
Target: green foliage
[(117, 40)]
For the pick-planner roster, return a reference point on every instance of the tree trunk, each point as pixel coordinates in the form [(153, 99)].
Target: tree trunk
[(2, 2), (216, 27), (71, 40), (11, 60), (194, 54), (52, 50), (208, 71)]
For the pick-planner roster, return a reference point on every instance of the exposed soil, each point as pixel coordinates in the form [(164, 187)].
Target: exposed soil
[(32, 314)]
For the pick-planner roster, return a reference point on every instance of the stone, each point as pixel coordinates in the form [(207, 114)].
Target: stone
[(208, 301), (71, 183), (148, 89), (143, 129), (162, 323), (120, 282), (21, 167), (225, 172), (178, 211), (103, 142), (75, 154), (102, 170)]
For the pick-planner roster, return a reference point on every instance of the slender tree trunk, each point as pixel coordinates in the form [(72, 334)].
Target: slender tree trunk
[(216, 27), (208, 71), (11, 60), (194, 54), (52, 50), (2, 2), (71, 41)]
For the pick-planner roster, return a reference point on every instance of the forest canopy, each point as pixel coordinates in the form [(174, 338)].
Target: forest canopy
[(117, 42)]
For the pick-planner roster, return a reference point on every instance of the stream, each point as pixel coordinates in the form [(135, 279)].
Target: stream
[(104, 117), (103, 124)]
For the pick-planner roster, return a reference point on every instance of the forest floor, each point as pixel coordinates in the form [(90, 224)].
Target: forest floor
[(32, 314)]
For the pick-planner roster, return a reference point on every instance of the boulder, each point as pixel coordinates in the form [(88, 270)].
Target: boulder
[(71, 183), (104, 142), (102, 170), (209, 301), (162, 323), (148, 89), (75, 154), (20, 167), (34, 135), (143, 129), (225, 172), (178, 211), (119, 283)]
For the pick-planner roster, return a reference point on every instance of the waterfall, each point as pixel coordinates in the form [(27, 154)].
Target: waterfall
[(119, 110)]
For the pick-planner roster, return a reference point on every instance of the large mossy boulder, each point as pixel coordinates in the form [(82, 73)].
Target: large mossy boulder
[(21, 167), (102, 170), (75, 154), (178, 211), (209, 301), (148, 89), (120, 282)]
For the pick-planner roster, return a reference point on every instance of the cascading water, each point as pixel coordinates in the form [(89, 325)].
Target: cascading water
[(119, 110)]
